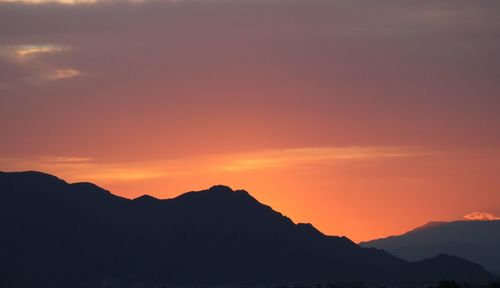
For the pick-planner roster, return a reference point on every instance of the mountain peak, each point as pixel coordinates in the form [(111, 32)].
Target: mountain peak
[(87, 187), (219, 194), (27, 182), (32, 175), (220, 188), (146, 198)]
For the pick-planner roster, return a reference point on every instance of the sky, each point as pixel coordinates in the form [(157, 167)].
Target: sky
[(365, 118)]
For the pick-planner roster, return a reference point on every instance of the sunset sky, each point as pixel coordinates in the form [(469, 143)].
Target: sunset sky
[(365, 118)]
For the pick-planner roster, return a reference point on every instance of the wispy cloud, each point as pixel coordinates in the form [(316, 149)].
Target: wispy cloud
[(71, 2), (27, 52), (64, 160), (85, 168), (57, 74), (67, 2), (90, 169), (39, 70), (311, 155), (482, 216)]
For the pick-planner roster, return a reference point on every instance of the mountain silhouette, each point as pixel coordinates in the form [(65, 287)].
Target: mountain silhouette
[(56, 234), (477, 241)]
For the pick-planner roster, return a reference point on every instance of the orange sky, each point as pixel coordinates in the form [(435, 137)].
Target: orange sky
[(361, 192), (365, 119)]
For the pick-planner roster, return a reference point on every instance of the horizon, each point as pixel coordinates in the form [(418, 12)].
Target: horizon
[(61, 234), (472, 217), (365, 118)]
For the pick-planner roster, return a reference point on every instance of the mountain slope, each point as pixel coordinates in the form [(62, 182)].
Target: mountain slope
[(477, 241), (57, 234)]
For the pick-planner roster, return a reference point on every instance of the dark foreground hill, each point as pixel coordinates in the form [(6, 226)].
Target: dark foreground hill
[(478, 241), (56, 234)]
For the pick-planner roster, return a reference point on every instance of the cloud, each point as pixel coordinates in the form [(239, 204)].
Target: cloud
[(90, 169), (481, 216), (28, 52), (76, 168), (57, 74), (67, 2), (64, 160), (311, 155), (37, 69), (251, 74)]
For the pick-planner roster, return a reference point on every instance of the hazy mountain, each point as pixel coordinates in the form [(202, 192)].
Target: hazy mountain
[(56, 234), (478, 241)]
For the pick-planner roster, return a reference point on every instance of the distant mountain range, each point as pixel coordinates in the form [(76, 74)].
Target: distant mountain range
[(478, 241), (56, 234)]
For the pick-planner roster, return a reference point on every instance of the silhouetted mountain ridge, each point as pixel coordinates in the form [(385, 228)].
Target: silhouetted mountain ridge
[(428, 225), (473, 240), (76, 235)]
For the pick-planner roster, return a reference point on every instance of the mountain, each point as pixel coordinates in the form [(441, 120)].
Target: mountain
[(56, 234), (478, 241)]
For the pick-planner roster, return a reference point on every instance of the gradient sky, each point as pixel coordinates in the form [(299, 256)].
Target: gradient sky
[(365, 118)]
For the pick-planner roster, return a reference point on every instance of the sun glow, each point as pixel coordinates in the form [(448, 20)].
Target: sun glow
[(89, 169)]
